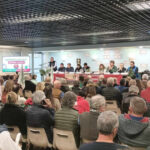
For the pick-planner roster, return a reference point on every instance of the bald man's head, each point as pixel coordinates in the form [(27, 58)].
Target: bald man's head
[(57, 84)]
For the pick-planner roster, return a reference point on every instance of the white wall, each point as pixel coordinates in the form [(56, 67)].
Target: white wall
[(95, 56)]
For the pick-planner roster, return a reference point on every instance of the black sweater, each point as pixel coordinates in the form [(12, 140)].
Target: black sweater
[(14, 115)]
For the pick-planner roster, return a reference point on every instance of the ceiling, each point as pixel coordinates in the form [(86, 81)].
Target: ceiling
[(52, 23)]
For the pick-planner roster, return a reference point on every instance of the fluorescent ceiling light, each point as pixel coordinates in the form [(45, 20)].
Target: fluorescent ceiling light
[(99, 33), (139, 5), (41, 17), (122, 38)]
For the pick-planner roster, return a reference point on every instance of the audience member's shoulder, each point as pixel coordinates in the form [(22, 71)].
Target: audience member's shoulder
[(103, 146), (84, 114), (122, 147)]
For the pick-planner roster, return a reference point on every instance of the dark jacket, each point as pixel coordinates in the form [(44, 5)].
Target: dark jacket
[(53, 64), (87, 69), (64, 88), (29, 86), (62, 69), (76, 90), (39, 116), (88, 131), (111, 93), (14, 115), (121, 88), (123, 70), (126, 102), (71, 69), (79, 69), (134, 133)]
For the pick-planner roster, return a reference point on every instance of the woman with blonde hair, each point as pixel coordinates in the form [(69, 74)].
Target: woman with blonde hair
[(8, 88), (40, 86), (13, 115)]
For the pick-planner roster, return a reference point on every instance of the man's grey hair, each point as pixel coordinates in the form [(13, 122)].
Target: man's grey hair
[(138, 105), (132, 82), (145, 77), (110, 81), (69, 99), (63, 81), (38, 96), (97, 101), (133, 89), (107, 122)]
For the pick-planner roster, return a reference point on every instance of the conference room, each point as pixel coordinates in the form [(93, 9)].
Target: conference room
[(74, 75)]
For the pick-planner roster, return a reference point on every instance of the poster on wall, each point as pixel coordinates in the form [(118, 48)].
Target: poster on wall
[(14, 64)]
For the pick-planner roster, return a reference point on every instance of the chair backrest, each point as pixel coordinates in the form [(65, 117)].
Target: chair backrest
[(64, 140), (85, 141), (112, 105), (37, 137), (13, 130), (136, 148)]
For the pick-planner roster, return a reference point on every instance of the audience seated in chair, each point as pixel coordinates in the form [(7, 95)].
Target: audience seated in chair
[(81, 105), (111, 93), (8, 88), (76, 88), (13, 115), (57, 93), (90, 90), (17, 88), (101, 86), (122, 85), (29, 85), (41, 115), (145, 78), (64, 86), (54, 101), (67, 118), (146, 93), (134, 129), (88, 120), (107, 125), (133, 92)]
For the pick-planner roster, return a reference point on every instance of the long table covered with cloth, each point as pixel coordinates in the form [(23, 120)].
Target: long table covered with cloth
[(70, 77)]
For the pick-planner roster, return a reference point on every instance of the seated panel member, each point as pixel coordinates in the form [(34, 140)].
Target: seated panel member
[(112, 68), (69, 68), (79, 68), (53, 64), (86, 68), (121, 68), (62, 68), (133, 70), (101, 68)]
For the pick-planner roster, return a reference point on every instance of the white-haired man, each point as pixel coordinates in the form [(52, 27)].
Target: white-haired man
[(111, 93), (134, 128), (89, 132), (107, 125), (41, 114)]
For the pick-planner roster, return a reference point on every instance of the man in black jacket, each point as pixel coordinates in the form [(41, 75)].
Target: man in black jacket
[(111, 93), (41, 114)]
